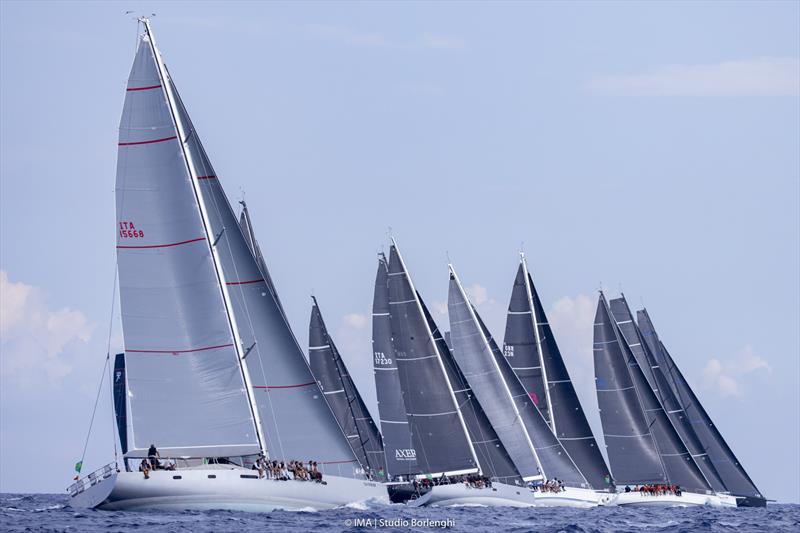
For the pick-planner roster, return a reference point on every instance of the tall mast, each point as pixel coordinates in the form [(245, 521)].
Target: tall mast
[(535, 320), (210, 237), (438, 358), (485, 342)]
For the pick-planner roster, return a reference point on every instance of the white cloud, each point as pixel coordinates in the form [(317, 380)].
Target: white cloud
[(434, 40), (345, 35), (356, 320), (726, 377), (478, 294), (36, 340), (768, 76)]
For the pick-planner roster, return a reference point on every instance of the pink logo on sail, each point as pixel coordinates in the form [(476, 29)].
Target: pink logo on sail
[(534, 398)]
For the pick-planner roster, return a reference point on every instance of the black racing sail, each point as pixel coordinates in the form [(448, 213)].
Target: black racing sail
[(530, 348), (450, 432), (733, 474), (121, 401), (342, 396), (525, 434), (401, 457), (660, 385), (637, 431)]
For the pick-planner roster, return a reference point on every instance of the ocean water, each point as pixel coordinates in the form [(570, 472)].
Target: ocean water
[(51, 512)]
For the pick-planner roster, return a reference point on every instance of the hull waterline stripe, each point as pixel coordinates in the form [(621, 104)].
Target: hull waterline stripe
[(163, 245), (181, 351), (244, 282), (338, 462), (143, 88), (284, 386), (148, 142)]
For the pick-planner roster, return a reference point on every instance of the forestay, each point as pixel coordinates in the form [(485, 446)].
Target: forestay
[(343, 397), (732, 473), (186, 389), (660, 385), (401, 456)]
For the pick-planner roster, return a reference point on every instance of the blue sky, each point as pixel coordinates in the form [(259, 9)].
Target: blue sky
[(648, 147)]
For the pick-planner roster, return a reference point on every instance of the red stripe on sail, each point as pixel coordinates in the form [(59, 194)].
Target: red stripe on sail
[(285, 386), (245, 282), (149, 142), (206, 177), (143, 88), (181, 351), (166, 245)]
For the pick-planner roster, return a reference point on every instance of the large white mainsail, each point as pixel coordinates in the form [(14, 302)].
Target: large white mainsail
[(186, 389)]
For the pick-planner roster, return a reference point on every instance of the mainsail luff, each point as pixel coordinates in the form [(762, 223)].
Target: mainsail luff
[(397, 442), (732, 473), (437, 425), (632, 450), (163, 230), (342, 395), (663, 391), (568, 419)]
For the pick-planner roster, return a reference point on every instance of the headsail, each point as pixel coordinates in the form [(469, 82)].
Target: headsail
[(342, 396), (250, 238), (121, 401), (660, 385), (528, 322), (401, 457), (187, 391), (733, 474), (437, 426), (522, 429)]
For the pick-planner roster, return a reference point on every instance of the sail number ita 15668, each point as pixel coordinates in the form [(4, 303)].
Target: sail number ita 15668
[(127, 230)]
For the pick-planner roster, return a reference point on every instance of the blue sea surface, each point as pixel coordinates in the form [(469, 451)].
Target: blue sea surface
[(51, 512)]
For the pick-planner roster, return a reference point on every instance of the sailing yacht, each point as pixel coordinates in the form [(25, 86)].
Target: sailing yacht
[(532, 352), (731, 472), (643, 446), (450, 436), (522, 429), (340, 391), (212, 372)]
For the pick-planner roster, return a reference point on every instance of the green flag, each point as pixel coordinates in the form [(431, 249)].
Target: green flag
[(78, 466)]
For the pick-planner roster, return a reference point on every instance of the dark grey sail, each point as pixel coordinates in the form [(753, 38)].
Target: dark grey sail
[(493, 457), (661, 387), (632, 451), (121, 401), (250, 237), (437, 427), (567, 418), (522, 429), (343, 397), (677, 461), (401, 457), (288, 398), (520, 345), (732, 473)]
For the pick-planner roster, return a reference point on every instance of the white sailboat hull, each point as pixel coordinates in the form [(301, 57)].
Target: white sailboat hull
[(686, 499), (502, 495), (195, 490)]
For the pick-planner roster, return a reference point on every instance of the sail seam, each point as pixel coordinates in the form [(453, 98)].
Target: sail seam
[(162, 245), (181, 351), (284, 386), (148, 142), (143, 88)]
